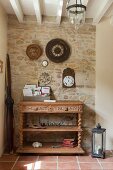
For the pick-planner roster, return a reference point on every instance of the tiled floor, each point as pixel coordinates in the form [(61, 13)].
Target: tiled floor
[(15, 162)]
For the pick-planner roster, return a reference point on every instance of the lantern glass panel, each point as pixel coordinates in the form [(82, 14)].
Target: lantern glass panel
[(104, 141), (97, 144)]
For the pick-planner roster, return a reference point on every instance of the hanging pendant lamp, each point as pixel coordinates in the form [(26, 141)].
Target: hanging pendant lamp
[(76, 12)]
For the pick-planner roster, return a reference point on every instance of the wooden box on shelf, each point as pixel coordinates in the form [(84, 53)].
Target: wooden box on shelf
[(56, 108)]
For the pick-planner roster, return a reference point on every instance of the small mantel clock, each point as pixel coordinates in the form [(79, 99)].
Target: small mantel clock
[(68, 78)]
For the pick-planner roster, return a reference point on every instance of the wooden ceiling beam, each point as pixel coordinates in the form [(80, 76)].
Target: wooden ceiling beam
[(37, 8), (102, 10), (59, 12), (17, 9)]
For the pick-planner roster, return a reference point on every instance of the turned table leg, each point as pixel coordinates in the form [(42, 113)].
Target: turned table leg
[(79, 133), (21, 130)]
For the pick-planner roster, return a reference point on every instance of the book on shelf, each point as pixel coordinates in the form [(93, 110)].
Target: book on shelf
[(49, 100), (68, 142), (71, 146), (68, 139)]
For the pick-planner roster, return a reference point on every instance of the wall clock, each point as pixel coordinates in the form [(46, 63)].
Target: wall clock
[(68, 78), (33, 51), (44, 63), (57, 50)]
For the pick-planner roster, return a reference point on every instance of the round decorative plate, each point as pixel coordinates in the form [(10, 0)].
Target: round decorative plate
[(44, 79), (33, 51), (57, 50)]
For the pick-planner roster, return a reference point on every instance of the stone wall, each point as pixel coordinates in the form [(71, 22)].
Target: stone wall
[(82, 60)]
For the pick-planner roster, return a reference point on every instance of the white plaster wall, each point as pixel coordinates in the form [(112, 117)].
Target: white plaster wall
[(3, 51), (104, 78)]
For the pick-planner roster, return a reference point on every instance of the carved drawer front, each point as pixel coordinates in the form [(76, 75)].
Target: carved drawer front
[(57, 109), (76, 108), (65, 109), (52, 108), (46, 109), (35, 108)]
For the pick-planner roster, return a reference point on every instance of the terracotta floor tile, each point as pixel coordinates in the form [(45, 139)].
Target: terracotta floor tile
[(6, 165), (86, 159), (39, 165), (68, 166), (90, 166), (27, 158), (48, 158), (107, 166), (108, 152), (50, 162), (108, 159), (67, 158), (8, 158), (23, 165)]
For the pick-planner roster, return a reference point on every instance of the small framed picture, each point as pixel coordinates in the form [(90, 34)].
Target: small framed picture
[(45, 90)]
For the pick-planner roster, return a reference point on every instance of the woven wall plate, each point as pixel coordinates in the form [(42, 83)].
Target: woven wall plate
[(57, 50), (33, 51)]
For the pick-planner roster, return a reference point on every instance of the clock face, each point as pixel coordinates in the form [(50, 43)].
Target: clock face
[(68, 81), (44, 63)]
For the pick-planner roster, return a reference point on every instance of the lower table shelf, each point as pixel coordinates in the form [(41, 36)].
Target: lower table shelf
[(50, 148)]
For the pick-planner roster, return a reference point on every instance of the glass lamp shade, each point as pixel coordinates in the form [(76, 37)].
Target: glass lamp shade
[(98, 142), (76, 13)]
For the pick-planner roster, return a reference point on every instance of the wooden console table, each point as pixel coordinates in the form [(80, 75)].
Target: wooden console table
[(60, 107)]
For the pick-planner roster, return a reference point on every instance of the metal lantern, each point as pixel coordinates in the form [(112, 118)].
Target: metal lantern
[(98, 142)]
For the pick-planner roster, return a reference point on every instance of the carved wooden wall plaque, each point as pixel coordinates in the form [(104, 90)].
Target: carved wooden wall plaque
[(1, 66)]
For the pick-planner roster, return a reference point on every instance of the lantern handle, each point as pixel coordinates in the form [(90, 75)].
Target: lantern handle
[(98, 126)]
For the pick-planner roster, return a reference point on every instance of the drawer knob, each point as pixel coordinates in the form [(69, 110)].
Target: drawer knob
[(66, 109), (36, 108)]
